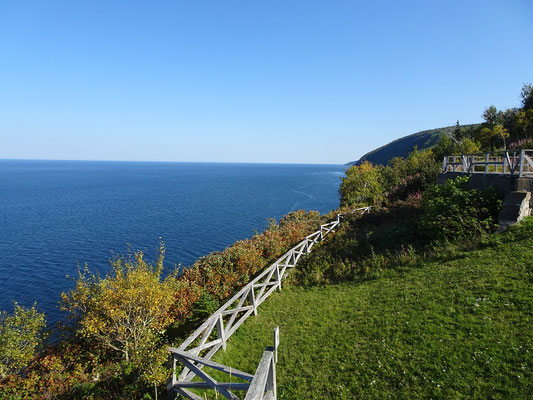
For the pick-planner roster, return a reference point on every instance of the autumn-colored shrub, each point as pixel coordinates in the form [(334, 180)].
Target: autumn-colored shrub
[(219, 274), (125, 309)]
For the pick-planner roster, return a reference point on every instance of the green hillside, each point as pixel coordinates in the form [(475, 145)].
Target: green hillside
[(456, 325), (403, 146)]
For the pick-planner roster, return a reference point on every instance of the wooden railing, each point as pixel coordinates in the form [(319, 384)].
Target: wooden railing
[(517, 163), (261, 385), (196, 351)]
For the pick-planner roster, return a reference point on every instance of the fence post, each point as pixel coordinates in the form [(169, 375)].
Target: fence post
[(271, 380), (220, 331), (504, 163), (486, 163), (276, 343), (292, 259), (521, 165), (307, 248), (278, 277), (445, 164), (172, 381), (251, 299)]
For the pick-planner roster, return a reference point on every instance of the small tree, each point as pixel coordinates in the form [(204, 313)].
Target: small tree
[(493, 133), (457, 132), (127, 310), (494, 136), (524, 122), (361, 186), (492, 116), (20, 334), (527, 96)]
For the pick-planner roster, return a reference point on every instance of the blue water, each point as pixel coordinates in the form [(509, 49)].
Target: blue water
[(57, 214)]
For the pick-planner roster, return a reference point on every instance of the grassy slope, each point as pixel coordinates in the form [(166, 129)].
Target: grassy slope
[(460, 327)]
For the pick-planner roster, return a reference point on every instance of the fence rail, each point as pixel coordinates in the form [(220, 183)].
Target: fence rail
[(196, 351), (517, 163)]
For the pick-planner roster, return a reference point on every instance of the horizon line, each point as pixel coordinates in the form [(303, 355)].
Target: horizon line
[(169, 161)]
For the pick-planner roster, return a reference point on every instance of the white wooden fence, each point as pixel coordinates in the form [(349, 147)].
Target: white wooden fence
[(502, 163), (261, 385), (196, 351)]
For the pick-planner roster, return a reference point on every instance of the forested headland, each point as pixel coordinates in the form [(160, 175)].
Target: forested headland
[(501, 129)]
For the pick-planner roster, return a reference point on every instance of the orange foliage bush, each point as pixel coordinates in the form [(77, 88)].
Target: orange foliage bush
[(220, 274)]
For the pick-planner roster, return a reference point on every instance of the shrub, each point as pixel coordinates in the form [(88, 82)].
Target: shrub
[(526, 143), (361, 186), (219, 274), (404, 177), (362, 246), (401, 178), (125, 311), (204, 307), (452, 211), (20, 334)]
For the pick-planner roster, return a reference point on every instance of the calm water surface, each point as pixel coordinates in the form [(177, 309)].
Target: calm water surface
[(57, 214)]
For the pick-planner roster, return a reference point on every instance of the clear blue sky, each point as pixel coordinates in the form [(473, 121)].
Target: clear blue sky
[(250, 81)]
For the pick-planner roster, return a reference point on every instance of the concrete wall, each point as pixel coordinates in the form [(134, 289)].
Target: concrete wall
[(503, 184)]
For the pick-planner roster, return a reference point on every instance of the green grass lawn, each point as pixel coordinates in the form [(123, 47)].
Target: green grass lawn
[(455, 327)]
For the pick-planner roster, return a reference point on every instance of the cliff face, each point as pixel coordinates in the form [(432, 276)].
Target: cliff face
[(403, 146)]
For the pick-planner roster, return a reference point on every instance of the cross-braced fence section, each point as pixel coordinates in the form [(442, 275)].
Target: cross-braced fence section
[(213, 334), (261, 385), (502, 163)]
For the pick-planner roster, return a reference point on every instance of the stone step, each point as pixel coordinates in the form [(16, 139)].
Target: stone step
[(516, 206)]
